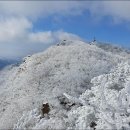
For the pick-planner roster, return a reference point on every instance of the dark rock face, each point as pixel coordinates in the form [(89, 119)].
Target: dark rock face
[(45, 109), (93, 124)]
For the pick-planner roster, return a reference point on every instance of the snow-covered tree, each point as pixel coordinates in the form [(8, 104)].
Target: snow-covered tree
[(108, 101)]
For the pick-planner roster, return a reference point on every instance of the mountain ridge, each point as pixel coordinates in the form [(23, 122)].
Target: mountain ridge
[(45, 77)]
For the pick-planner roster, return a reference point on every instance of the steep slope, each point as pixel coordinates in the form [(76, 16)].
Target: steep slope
[(44, 77)]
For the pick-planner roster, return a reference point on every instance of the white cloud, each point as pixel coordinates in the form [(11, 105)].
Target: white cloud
[(50, 37), (17, 29), (13, 28), (119, 10), (37, 9), (42, 37), (18, 40), (64, 35)]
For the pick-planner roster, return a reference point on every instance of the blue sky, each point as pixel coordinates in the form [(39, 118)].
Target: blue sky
[(84, 26), (29, 27)]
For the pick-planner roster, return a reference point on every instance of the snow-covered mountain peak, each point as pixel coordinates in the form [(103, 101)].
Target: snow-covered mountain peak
[(45, 77)]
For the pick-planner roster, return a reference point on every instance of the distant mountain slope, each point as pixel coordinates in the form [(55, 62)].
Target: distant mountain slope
[(4, 63), (45, 77), (112, 48)]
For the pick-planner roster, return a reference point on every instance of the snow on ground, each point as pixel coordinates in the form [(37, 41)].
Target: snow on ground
[(64, 76)]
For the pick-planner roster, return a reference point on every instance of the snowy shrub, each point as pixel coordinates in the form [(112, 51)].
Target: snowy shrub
[(106, 105), (28, 120), (32, 120), (81, 118)]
